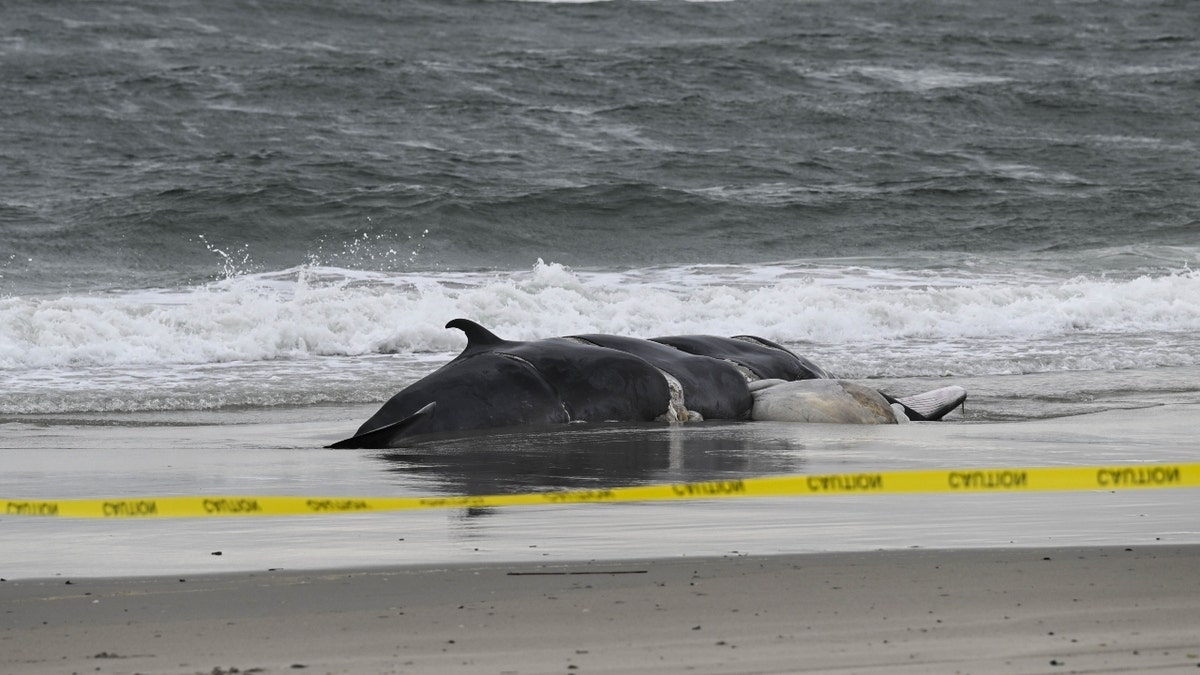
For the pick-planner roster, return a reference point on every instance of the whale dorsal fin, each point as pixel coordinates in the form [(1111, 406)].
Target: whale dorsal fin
[(477, 336)]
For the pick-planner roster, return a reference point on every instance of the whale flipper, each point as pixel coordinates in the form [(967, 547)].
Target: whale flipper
[(385, 436)]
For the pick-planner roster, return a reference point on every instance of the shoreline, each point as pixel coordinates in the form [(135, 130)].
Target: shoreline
[(1010, 610), (274, 458)]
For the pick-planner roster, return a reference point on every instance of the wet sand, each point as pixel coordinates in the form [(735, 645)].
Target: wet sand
[(1092, 609), (257, 452)]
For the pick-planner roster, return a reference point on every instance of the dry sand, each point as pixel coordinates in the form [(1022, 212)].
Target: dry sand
[(1047, 610)]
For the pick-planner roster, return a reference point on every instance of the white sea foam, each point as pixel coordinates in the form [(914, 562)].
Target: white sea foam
[(310, 311), (325, 334)]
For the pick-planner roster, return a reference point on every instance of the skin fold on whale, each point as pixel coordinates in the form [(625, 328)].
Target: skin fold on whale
[(759, 358), (496, 383), (712, 388)]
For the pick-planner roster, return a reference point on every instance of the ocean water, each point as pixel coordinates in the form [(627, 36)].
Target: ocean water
[(215, 206)]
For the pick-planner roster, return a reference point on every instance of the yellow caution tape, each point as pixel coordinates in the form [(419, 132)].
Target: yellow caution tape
[(1121, 477)]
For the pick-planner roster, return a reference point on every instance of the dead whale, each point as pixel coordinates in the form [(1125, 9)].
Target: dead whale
[(496, 383)]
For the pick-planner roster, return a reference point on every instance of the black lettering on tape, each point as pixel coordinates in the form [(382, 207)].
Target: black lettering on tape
[(579, 496), (1138, 476), (846, 482), (232, 506), (1111, 477), (130, 509), (336, 505), (988, 480), (715, 488), (449, 502), (32, 509)]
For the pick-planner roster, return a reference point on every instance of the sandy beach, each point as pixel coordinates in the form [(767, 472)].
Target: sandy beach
[(1051, 610), (1092, 581)]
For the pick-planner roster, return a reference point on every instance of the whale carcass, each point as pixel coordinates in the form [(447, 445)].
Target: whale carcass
[(496, 383)]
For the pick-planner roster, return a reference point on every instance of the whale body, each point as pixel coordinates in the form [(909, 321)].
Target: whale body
[(496, 383)]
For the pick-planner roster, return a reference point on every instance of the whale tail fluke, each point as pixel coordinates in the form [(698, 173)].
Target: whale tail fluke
[(387, 435), (931, 405)]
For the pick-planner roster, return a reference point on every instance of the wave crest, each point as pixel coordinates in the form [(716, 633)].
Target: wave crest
[(327, 311)]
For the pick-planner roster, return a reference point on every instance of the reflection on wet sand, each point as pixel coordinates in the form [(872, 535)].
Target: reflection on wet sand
[(595, 455)]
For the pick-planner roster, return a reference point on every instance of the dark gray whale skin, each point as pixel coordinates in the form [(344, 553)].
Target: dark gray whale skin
[(484, 391), (712, 387), (593, 383), (497, 383), (766, 359)]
